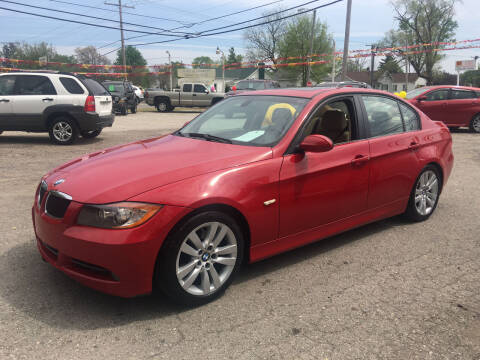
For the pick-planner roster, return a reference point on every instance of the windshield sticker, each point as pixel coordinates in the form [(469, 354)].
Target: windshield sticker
[(249, 136), (111, 87)]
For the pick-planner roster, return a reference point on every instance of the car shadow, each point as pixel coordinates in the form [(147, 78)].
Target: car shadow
[(44, 293), (40, 139)]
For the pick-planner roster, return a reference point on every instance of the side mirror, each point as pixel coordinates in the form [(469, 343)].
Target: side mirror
[(206, 91), (421, 98), (316, 143)]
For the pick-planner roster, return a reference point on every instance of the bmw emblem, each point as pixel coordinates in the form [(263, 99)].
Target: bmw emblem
[(58, 182)]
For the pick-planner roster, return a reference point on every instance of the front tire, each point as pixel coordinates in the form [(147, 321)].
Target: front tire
[(90, 134), (199, 261), (124, 110), (475, 124), (133, 109), (63, 131), (425, 194)]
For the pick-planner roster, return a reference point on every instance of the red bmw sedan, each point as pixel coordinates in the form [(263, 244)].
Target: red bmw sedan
[(456, 106), (257, 174)]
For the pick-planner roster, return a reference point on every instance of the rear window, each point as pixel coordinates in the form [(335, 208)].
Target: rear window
[(71, 85), (94, 87)]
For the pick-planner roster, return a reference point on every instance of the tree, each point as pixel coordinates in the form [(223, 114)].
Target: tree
[(358, 64), (423, 22), (296, 43), (90, 55), (200, 61), (10, 50), (262, 41), (389, 65), (134, 58), (233, 58), (470, 78)]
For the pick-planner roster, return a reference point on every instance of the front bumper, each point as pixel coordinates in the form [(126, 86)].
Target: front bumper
[(117, 262)]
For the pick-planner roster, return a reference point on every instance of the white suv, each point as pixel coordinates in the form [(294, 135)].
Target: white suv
[(62, 104)]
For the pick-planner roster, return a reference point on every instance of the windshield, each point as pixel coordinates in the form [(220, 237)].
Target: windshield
[(250, 85), (246, 120), (115, 88), (414, 93)]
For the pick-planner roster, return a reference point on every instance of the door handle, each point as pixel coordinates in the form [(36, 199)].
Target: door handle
[(194, 94), (4, 100), (47, 99), (414, 145), (360, 160)]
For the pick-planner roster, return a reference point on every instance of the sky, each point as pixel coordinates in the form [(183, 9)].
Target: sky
[(369, 22)]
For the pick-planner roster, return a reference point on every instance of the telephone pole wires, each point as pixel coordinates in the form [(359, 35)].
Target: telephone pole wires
[(120, 6)]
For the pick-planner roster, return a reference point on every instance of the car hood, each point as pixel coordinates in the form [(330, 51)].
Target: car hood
[(118, 173)]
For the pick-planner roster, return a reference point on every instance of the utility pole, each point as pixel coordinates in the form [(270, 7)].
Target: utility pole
[(406, 65), (218, 52), (171, 70), (312, 37), (372, 64), (333, 60), (120, 6), (347, 39)]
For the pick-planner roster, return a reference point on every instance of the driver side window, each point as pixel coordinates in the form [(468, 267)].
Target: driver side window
[(333, 120), (437, 95)]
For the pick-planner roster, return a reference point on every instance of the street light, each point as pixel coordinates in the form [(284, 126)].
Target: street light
[(223, 67), (171, 70)]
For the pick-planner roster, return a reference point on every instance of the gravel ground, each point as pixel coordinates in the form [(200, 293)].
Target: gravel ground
[(389, 290)]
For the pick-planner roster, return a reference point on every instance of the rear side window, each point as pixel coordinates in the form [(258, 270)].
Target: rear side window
[(187, 87), (410, 118), (384, 116), (94, 87), (71, 85), (34, 85), (438, 95), (7, 83), (463, 94)]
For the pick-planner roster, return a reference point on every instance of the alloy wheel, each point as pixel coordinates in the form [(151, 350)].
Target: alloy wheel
[(426, 192), (476, 124), (206, 258), (62, 131), (162, 106)]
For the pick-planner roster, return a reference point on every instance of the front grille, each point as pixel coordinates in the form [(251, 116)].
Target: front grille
[(93, 270), (41, 192), (57, 204)]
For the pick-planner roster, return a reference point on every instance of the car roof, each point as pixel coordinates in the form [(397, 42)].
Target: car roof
[(435, 87), (311, 92)]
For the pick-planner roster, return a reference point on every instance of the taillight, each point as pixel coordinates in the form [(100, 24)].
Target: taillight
[(90, 104)]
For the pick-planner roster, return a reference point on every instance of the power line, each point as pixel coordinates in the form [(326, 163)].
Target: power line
[(201, 22), (86, 23), (202, 34), (89, 16), (134, 14)]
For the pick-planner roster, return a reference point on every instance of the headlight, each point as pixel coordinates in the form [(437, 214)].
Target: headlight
[(122, 215)]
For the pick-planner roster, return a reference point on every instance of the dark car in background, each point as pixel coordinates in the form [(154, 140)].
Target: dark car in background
[(123, 95), (252, 84), (340, 84), (456, 106)]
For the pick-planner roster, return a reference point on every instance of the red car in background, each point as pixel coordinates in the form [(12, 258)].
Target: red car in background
[(456, 106), (253, 176)]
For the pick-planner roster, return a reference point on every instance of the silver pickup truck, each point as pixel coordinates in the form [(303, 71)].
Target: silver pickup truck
[(190, 95)]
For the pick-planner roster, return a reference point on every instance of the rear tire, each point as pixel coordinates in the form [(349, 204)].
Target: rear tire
[(63, 131), (475, 124), (163, 106), (200, 259), (425, 194), (90, 134)]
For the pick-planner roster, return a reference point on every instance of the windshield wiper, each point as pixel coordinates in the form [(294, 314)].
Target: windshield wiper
[(207, 137)]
